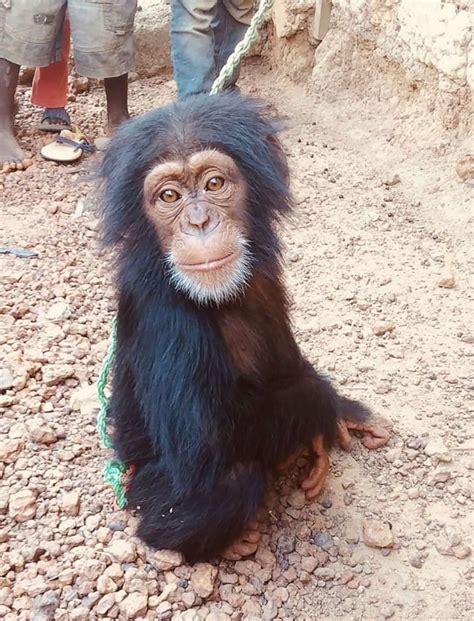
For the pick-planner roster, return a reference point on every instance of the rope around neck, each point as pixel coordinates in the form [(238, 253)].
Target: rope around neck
[(114, 469)]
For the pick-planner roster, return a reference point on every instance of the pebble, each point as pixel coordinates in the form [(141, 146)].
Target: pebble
[(297, 499), (383, 328), (70, 503), (6, 378), (447, 282), (58, 311), (203, 579), (377, 534), (10, 450), (309, 564), (134, 605), (437, 448), (167, 559), (416, 560), (54, 374), (105, 604), (45, 606), (22, 505), (322, 540), (124, 551), (41, 433)]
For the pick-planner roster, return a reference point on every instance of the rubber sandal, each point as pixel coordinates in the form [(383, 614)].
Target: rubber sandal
[(68, 146), (55, 120)]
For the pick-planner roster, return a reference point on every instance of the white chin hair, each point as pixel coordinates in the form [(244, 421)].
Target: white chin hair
[(220, 288)]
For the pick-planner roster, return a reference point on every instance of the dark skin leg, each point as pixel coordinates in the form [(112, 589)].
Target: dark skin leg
[(116, 91), (11, 156)]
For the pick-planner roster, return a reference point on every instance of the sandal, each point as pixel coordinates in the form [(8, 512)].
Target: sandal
[(68, 146), (55, 120)]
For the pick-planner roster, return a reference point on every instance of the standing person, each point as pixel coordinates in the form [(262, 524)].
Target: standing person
[(102, 35), (49, 89), (204, 34)]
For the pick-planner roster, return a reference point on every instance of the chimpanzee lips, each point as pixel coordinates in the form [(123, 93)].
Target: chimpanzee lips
[(214, 281), (208, 266)]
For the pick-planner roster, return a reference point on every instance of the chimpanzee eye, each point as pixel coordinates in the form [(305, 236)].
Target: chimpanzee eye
[(170, 196), (214, 184)]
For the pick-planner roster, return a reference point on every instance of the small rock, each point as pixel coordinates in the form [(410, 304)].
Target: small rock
[(391, 181), (352, 532), (286, 543), (462, 551), (309, 564), (167, 559), (436, 448), (22, 505), (447, 282), (393, 454), (106, 585), (377, 534), (6, 378), (41, 433), (465, 167), (123, 551), (325, 573), (54, 374), (416, 560), (86, 401), (70, 503), (322, 540), (203, 579), (297, 499), (387, 612), (105, 604), (9, 450), (383, 328), (45, 608), (134, 605), (81, 84), (58, 311)]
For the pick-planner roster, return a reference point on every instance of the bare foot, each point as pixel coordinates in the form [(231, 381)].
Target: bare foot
[(245, 545), (374, 434), (11, 156), (314, 482)]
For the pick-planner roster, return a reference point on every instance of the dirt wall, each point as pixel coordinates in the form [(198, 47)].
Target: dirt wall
[(388, 49)]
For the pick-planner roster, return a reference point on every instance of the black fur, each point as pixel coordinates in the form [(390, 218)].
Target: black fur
[(204, 437)]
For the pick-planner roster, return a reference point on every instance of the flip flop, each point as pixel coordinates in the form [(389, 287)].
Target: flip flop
[(68, 146), (55, 120)]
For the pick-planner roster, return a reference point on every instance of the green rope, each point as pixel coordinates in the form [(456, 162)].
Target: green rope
[(242, 48), (114, 469)]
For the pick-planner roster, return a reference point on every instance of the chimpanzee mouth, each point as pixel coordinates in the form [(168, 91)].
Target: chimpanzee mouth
[(208, 266), (217, 281)]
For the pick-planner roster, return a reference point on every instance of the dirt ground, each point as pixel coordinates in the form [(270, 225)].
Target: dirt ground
[(379, 264)]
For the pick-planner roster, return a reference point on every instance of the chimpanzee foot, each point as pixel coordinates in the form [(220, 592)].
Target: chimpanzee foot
[(245, 545), (374, 434), (314, 482)]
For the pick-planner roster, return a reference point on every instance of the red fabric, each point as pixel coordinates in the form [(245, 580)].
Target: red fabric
[(50, 83)]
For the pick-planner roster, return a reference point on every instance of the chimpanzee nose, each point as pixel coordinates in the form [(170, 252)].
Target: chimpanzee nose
[(199, 220)]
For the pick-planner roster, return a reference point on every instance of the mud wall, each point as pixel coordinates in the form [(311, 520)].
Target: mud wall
[(385, 48)]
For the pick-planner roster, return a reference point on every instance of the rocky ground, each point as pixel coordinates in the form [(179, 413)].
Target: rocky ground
[(379, 258)]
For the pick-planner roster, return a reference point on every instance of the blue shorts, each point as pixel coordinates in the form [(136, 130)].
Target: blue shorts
[(101, 30)]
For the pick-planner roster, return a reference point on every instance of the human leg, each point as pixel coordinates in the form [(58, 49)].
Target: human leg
[(232, 23), (102, 35), (50, 86), (192, 45), (26, 38)]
